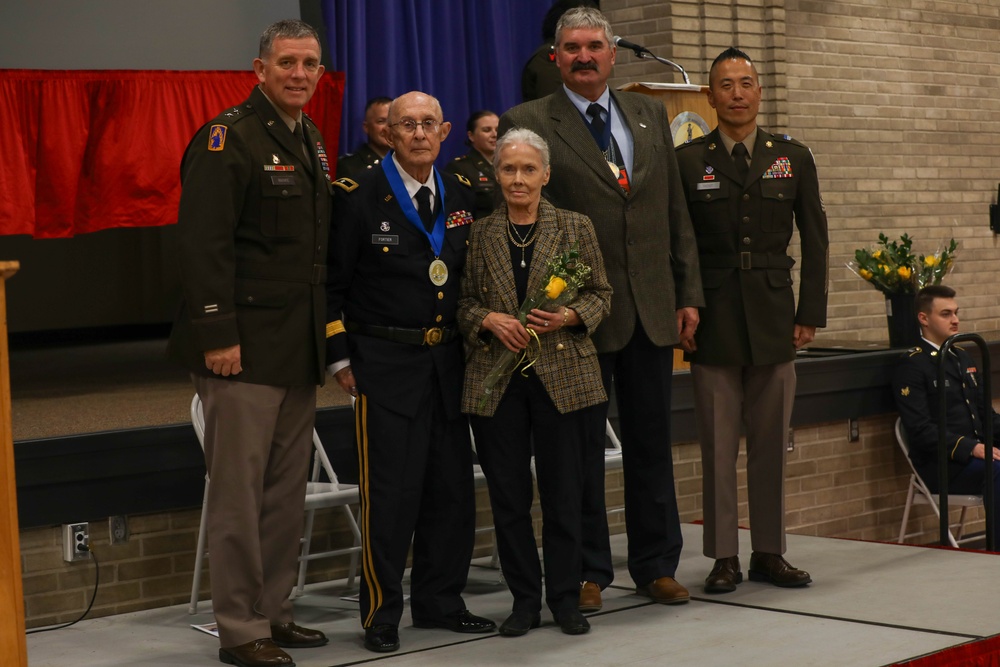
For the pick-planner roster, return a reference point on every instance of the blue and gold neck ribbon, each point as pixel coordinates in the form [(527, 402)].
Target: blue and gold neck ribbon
[(436, 235)]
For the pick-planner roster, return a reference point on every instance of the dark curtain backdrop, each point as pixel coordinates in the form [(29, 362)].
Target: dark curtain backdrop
[(467, 53)]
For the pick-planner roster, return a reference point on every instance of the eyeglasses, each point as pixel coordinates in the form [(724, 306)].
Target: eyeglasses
[(409, 125)]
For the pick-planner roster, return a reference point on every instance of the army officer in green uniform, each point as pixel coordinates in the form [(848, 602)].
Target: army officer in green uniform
[(744, 188)]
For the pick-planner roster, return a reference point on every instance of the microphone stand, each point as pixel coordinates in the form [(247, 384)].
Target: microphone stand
[(646, 53)]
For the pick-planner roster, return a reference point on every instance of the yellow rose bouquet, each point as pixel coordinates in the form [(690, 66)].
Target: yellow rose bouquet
[(891, 267), (565, 275)]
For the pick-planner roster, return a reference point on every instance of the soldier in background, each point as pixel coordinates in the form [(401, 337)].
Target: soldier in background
[(540, 76), (476, 166), (370, 153)]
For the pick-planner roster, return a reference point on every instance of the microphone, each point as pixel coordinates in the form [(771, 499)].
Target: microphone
[(642, 52), (625, 44)]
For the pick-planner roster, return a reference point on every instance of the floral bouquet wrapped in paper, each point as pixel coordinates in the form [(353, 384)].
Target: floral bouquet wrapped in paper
[(892, 268), (566, 274)]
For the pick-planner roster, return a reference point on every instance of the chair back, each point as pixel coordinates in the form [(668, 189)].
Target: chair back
[(905, 446)]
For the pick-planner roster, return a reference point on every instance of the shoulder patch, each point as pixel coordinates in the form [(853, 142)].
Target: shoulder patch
[(463, 180), (346, 184), (217, 137)]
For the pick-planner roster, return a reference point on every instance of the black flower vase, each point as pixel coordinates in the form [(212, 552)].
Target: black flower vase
[(901, 314)]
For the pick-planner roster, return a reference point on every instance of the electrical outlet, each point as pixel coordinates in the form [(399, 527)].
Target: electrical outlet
[(76, 542), (118, 529)]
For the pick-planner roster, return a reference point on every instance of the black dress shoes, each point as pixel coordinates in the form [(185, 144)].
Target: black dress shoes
[(258, 653), (572, 622), (382, 638), (460, 621), (519, 622), (774, 569), (725, 575), (289, 635)]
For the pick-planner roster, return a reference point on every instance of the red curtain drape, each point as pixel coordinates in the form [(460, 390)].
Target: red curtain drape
[(89, 150)]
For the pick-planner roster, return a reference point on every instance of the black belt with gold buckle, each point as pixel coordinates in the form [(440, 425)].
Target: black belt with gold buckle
[(426, 336)]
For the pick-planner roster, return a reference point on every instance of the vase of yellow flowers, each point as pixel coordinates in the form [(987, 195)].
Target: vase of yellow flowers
[(892, 268)]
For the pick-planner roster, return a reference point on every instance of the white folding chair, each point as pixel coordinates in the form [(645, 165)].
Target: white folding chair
[(919, 494), (319, 494)]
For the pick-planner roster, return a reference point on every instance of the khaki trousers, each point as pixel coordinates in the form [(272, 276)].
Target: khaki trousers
[(761, 398)]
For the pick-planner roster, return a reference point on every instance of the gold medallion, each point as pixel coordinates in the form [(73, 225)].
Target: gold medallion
[(438, 272), (615, 169)]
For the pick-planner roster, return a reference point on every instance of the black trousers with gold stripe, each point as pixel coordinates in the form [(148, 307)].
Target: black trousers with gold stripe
[(416, 482)]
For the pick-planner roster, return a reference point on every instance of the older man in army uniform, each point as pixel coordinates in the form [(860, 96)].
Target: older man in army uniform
[(915, 387), (252, 226), (397, 251), (744, 187)]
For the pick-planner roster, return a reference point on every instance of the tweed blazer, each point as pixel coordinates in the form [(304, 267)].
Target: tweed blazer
[(645, 235), (567, 365)]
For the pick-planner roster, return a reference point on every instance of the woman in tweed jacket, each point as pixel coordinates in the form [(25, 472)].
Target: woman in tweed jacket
[(555, 405)]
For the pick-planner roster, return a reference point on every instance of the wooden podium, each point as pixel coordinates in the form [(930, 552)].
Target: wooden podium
[(690, 114), (13, 648)]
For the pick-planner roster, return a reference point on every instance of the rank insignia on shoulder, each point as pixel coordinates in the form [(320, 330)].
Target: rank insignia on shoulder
[(915, 351), (345, 184), (217, 137), (458, 219), (905, 391), (463, 180)]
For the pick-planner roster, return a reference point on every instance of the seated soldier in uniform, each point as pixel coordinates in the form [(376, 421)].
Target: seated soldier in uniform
[(917, 399)]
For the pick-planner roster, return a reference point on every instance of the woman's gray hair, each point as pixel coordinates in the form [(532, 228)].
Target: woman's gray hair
[(521, 135)]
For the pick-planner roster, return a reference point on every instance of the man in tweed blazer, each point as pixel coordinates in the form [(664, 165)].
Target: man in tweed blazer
[(619, 169)]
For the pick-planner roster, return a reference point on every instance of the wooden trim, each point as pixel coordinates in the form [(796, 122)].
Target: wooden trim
[(13, 647)]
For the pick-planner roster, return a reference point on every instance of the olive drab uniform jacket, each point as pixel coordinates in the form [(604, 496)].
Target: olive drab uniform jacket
[(253, 224)]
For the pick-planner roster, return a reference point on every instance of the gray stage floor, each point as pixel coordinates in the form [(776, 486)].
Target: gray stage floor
[(871, 605)]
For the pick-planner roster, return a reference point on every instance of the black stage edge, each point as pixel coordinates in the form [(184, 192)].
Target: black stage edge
[(139, 471), (96, 475)]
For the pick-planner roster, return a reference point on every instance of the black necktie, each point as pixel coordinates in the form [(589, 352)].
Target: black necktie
[(300, 133), (597, 124), (424, 207), (740, 159)]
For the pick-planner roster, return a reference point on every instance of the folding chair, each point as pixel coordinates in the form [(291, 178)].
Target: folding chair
[(919, 494), (319, 494)]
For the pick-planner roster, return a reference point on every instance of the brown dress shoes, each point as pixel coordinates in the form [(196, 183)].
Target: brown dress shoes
[(774, 569), (725, 575), (664, 590), (257, 653), (590, 597), (289, 635)]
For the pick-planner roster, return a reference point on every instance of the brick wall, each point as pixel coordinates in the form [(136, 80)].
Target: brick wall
[(896, 98)]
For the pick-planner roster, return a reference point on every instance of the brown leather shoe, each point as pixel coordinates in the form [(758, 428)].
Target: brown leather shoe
[(774, 569), (289, 635), (258, 653), (664, 590), (590, 597), (724, 576)]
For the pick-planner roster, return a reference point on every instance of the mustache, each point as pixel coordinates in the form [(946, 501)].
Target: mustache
[(577, 66)]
